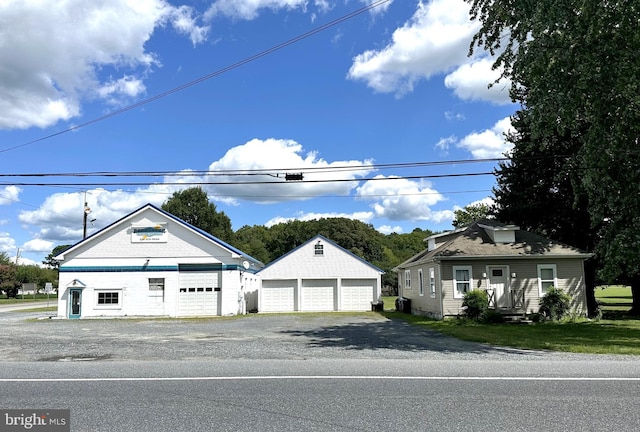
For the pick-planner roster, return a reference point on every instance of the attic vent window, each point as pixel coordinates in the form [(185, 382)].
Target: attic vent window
[(319, 249)]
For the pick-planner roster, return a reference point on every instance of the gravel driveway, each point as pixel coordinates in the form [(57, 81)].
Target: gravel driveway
[(290, 336)]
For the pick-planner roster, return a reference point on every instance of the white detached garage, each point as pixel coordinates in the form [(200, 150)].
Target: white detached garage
[(151, 263), (319, 276)]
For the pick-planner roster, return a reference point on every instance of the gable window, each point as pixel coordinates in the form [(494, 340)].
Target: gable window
[(432, 282), (462, 280), (319, 249), (156, 290), (420, 283), (547, 277), (108, 299), (407, 279)]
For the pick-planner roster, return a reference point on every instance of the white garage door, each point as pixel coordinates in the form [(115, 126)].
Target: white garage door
[(318, 295), (277, 296), (198, 294), (356, 294)]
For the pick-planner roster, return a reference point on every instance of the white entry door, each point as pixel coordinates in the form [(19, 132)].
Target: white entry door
[(498, 282)]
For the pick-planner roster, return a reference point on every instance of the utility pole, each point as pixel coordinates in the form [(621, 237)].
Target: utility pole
[(87, 210)]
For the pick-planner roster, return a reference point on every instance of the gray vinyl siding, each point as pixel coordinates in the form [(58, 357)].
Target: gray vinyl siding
[(425, 304), (569, 274)]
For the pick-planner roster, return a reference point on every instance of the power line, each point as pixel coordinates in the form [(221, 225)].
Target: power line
[(257, 182), (208, 76), (258, 171)]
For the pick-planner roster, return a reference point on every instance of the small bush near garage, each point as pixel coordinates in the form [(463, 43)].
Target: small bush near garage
[(555, 304), (475, 304), (492, 317)]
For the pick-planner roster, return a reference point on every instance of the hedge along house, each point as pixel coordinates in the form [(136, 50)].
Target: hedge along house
[(151, 263), (514, 266), (319, 275)]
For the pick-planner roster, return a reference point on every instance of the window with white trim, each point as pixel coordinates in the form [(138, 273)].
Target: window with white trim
[(462, 280), (432, 282), (420, 283), (156, 290), (108, 299), (407, 279), (547, 277), (318, 249)]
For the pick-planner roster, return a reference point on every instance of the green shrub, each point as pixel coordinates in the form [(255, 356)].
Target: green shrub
[(475, 304), (493, 317), (536, 317), (555, 304)]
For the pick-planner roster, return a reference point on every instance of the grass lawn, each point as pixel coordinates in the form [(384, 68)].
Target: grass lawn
[(27, 298), (618, 335)]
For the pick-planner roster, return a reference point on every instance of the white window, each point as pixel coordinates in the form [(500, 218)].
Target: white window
[(156, 290), (547, 277), (407, 279), (108, 299), (432, 282), (319, 249), (420, 283), (462, 280)]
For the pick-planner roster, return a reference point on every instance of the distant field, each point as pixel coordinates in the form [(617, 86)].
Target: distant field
[(614, 299)]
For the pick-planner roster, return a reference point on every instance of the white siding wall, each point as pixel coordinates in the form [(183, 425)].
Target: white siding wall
[(304, 266), (113, 249)]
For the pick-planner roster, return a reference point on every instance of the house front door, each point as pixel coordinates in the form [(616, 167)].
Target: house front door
[(75, 302), (498, 283)]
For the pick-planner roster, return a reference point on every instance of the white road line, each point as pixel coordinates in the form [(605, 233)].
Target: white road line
[(317, 377)]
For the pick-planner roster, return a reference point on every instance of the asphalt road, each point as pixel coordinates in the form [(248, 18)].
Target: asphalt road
[(334, 372)]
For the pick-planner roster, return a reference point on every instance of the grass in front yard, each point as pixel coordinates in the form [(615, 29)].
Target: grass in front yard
[(389, 302), (40, 309), (594, 337), (614, 298), (27, 298)]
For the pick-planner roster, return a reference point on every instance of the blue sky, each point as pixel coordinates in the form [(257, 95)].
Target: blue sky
[(349, 107)]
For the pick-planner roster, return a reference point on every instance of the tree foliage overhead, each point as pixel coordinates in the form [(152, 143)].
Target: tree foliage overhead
[(49, 260), (573, 66), (471, 213), (193, 206)]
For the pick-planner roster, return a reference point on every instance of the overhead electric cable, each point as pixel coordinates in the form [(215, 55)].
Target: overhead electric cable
[(209, 76)]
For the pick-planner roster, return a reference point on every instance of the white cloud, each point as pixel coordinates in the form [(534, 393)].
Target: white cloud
[(38, 245), (386, 229), (9, 195), (127, 86), (435, 40), (471, 81), (264, 159), (489, 143), (60, 217), (45, 77), (399, 199), (361, 216), (250, 9), (7, 243)]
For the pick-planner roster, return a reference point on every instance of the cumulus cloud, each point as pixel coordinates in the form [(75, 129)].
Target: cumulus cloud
[(7, 243), (9, 195), (60, 219), (399, 199), (486, 144), (250, 172), (250, 9), (489, 143), (435, 40), (38, 245), (45, 77), (471, 81), (301, 216), (387, 229)]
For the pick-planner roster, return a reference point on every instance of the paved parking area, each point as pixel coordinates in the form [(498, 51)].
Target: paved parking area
[(31, 336)]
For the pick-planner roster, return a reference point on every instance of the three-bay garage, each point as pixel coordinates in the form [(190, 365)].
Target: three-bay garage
[(319, 276)]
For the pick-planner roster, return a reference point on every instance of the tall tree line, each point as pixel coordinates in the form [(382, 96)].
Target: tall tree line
[(574, 174)]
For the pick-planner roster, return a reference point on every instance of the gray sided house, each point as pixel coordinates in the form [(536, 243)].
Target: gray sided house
[(514, 266), (319, 275), (151, 263)]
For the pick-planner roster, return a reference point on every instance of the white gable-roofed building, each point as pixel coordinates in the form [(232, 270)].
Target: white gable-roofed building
[(151, 263), (319, 275)]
